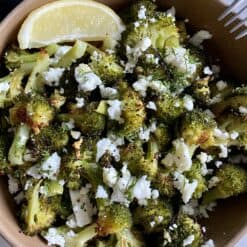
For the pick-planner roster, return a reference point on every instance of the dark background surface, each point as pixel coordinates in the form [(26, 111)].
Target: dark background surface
[(6, 6)]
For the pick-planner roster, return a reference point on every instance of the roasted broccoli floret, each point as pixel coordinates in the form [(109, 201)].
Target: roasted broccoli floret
[(232, 182), (164, 182), (187, 231), (88, 120), (18, 146), (51, 138), (4, 148), (39, 212), (138, 163), (106, 67), (35, 111), (130, 14), (79, 238), (57, 100), (113, 218), (201, 90), (133, 111), (154, 216), (197, 128), (169, 107)]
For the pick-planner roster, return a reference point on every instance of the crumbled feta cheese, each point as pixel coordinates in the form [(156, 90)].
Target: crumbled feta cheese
[(158, 86), (142, 13), (243, 110), (181, 156), (80, 102), (121, 187), (222, 135), (54, 238), (207, 71), (155, 195), (82, 207), (51, 166), (87, 80), (199, 37), (184, 186), (19, 198), (71, 234), (209, 113), (53, 76), (216, 99), (107, 145), (110, 176), (213, 182), (167, 237), (13, 184), (115, 110), (188, 102), (209, 243), (108, 92), (144, 133), (142, 190), (204, 158), (151, 105), (75, 134), (4, 86), (150, 58), (71, 221), (218, 163), (34, 172), (137, 24), (204, 229), (69, 125), (152, 223), (224, 151), (189, 240), (141, 86), (178, 58), (234, 135), (171, 12), (101, 193), (221, 85)]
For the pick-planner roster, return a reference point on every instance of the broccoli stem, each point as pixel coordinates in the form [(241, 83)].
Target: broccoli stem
[(77, 51), (18, 146)]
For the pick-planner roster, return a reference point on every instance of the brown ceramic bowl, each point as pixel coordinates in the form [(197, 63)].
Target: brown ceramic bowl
[(229, 221)]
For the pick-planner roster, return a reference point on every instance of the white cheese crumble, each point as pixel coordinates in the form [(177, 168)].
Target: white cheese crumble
[(221, 85), (213, 182), (12, 184), (142, 13), (167, 237), (151, 105), (4, 87), (207, 71), (51, 166), (222, 135), (178, 58), (224, 151), (242, 110), (188, 102), (218, 163), (199, 37), (181, 156), (209, 243), (54, 238), (144, 133), (110, 176), (87, 80), (141, 86), (101, 193), (184, 186), (80, 102), (75, 134), (108, 92), (142, 190), (53, 76), (82, 207), (209, 113), (234, 135), (189, 240), (71, 221), (115, 110), (204, 158), (155, 195), (171, 12), (107, 145)]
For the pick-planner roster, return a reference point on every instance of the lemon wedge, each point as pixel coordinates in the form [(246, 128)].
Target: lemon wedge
[(64, 20)]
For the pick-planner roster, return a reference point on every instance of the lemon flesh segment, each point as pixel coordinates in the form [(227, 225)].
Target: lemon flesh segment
[(63, 21)]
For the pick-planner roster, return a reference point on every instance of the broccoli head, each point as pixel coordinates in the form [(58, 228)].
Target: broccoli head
[(113, 219), (201, 90), (187, 229), (232, 182), (154, 216), (197, 128)]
